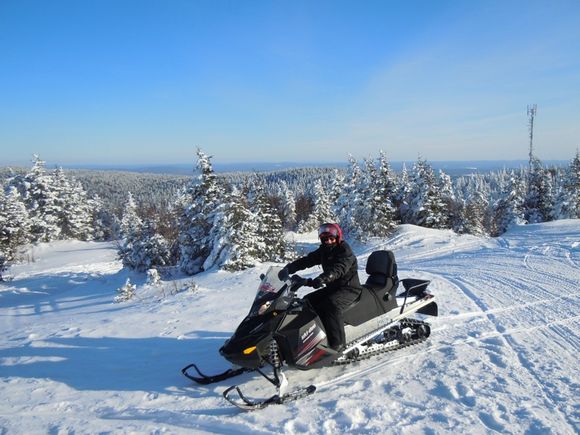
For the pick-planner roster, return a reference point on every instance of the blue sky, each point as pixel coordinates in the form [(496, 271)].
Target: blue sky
[(146, 81)]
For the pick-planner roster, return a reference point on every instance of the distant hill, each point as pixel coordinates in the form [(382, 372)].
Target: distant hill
[(453, 168)]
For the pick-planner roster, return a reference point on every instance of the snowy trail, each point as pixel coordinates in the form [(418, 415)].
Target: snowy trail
[(502, 355), (551, 281)]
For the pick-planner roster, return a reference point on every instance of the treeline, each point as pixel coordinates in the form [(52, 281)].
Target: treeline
[(42, 206), (234, 221)]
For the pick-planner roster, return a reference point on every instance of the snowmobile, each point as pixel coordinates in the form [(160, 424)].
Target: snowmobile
[(282, 328)]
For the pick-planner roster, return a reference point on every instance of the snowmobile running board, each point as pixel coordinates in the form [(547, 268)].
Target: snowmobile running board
[(205, 380), (379, 348)]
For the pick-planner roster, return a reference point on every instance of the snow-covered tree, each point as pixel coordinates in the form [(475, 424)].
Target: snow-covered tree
[(539, 201), (272, 245), (104, 223), (288, 206), (322, 211), (509, 209), (130, 232), (336, 186), (402, 193), (350, 202), (567, 201), (378, 215), (196, 219), (40, 197), (75, 216), (150, 249), (236, 244), (4, 262), (14, 226), (425, 204), (470, 214)]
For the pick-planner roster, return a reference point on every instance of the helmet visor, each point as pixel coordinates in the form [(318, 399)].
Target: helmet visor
[(328, 230)]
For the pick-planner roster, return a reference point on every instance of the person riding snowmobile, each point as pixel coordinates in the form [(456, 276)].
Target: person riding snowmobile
[(339, 276)]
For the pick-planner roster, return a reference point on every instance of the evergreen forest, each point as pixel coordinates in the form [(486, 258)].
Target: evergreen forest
[(236, 220)]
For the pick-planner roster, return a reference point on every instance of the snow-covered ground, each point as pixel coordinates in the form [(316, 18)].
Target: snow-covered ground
[(502, 356)]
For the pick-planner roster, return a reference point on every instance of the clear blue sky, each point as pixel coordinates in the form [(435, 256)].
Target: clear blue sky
[(115, 81)]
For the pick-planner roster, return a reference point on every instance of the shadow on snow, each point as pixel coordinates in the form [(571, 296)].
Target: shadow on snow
[(119, 364)]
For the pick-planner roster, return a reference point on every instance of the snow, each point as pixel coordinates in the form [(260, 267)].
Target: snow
[(502, 356)]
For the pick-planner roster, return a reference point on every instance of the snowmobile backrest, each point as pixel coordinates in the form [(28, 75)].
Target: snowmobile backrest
[(381, 266), (378, 293)]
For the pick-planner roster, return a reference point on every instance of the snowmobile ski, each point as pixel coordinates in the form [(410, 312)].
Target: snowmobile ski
[(251, 405), (204, 379)]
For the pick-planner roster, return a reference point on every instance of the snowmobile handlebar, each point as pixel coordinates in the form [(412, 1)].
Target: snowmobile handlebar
[(299, 281)]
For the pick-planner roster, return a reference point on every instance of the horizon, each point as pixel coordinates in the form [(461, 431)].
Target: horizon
[(147, 83), (451, 167)]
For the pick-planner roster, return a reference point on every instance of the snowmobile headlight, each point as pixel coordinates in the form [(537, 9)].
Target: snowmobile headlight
[(264, 307), (249, 350)]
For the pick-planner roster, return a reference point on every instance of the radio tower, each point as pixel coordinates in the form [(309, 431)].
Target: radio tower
[(532, 108)]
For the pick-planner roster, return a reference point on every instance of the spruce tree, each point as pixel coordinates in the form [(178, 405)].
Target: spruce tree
[(40, 197), (14, 226), (288, 206), (103, 221), (130, 232), (401, 195), (272, 245), (567, 201), (75, 210), (149, 249), (509, 209), (197, 205), (426, 206), (349, 203), (322, 211), (379, 213), (539, 201), (236, 244), (15, 230)]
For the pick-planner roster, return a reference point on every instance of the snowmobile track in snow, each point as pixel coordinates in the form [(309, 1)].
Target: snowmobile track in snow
[(526, 369)]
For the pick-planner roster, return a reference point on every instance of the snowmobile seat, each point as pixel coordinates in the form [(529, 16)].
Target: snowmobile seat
[(378, 293), (382, 270)]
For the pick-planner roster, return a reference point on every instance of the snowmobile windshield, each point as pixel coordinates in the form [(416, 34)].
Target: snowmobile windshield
[(270, 289)]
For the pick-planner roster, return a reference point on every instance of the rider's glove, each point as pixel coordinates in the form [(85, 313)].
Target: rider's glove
[(322, 280), (309, 282), (283, 274), (319, 281)]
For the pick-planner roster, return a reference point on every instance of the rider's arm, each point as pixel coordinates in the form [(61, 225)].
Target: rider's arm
[(342, 264), (309, 260)]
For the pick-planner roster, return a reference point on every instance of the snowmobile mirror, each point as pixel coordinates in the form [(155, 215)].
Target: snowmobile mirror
[(262, 276)]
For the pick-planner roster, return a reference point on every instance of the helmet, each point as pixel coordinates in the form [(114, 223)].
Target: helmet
[(329, 229)]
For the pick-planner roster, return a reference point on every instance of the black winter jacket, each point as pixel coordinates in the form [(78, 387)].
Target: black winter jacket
[(339, 265)]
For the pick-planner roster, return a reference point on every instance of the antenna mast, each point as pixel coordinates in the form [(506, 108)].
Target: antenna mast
[(532, 108)]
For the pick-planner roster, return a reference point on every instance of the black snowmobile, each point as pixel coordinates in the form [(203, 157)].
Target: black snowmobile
[(284, 329)]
